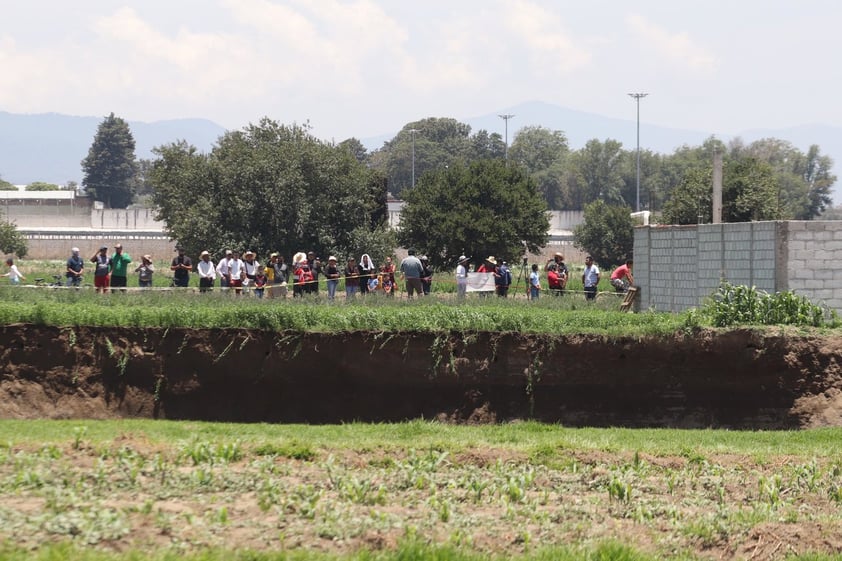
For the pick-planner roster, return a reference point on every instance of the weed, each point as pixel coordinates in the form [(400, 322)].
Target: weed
[(78, 434)]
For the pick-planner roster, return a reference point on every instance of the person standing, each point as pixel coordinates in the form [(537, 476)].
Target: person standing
[(426, 275), (207, 272), (181, 266), (534, 283), (102, 269), (222, 269), (251, 266), (14, 274), (277, 275), (553, 280), (119, 268), (590, 278), (502, 279), (387, 284), (75, 268), (332, 276), (144, 272), (352, 279), (316, 270), (462, 277), (411, 272), (236, 272), (621, 278), (368, 271), (561, 270)]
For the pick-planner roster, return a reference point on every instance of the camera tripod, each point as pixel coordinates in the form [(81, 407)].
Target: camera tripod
[(522, 273)]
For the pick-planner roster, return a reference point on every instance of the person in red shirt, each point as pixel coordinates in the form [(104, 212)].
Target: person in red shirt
[(554, 280), (621, 278)]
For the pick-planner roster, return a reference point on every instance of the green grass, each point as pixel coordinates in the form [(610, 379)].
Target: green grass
[(564, 315), (302, 441)]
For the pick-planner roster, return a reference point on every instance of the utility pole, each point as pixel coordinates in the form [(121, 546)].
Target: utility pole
[(506, 118), (413, 132), (637, 97)]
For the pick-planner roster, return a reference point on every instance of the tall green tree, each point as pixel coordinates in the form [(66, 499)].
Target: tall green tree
[(42, 186), (479, 209), (607, 233), (691, 201), (110, 168), (268, 187), (543, 154), (596, 171), (6, 186)]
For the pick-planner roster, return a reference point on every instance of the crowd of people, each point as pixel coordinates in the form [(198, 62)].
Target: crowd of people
[(236, 272)]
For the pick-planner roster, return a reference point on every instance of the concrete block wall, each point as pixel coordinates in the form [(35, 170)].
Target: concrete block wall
[(814, 251), (678, 267)]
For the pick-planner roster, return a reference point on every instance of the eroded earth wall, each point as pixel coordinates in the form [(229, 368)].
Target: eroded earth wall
[(738, 379)]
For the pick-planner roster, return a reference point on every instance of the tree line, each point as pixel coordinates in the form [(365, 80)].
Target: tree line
[(275, 187)]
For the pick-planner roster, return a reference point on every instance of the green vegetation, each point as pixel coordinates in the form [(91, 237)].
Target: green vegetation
[(131, 489), (743, 305)]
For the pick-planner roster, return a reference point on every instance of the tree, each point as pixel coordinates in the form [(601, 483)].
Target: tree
[(6, 186), (607, 233), (110, 168), (543, 153), (42, 186), (749, 191), (268, 187), (355, 148), (477, 209), (597, 172), (691, 202), (11, 241)]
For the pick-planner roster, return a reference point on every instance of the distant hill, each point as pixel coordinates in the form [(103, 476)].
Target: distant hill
[(580, 127), (49, 147)]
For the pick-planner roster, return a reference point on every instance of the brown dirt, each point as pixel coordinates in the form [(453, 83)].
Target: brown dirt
[(735, 379)]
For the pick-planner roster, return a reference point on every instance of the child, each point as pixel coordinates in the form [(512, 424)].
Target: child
[(259, 282), (534, 283), (14, 275)]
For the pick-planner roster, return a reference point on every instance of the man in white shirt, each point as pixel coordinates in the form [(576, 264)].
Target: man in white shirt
[(590, 278), (222, 269), (207, 272), (461, 277)]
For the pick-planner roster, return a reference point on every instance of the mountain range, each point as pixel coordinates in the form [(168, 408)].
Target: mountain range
[(50, 146)]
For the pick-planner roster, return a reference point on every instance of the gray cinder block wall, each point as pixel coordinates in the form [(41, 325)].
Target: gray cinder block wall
[(677, 267)]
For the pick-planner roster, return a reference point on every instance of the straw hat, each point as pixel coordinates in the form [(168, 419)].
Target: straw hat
[(204, 253), (147, 258), (298, 257), (491, 260), (248, 253)]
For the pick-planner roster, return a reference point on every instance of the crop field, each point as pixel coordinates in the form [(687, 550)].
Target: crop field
[(417, 490)]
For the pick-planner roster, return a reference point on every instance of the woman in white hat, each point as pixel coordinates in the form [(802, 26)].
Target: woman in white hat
[(144, 272)]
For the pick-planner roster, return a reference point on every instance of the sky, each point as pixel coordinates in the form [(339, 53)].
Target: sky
[(366, 67)]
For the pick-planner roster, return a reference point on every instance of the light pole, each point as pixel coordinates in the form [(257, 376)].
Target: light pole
[(412, 132), (637, 97), (506, 118)]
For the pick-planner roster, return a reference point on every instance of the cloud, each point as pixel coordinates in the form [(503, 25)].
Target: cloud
[(677, 48), (549, 48)]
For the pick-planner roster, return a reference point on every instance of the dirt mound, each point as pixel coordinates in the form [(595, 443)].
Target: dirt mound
[(737, 379)]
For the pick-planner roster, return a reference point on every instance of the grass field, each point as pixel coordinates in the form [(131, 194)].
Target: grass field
[(115, 490)]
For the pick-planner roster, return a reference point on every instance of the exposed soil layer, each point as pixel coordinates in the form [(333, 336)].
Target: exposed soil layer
[(736, 379)]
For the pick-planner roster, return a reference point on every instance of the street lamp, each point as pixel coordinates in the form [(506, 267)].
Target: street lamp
[(412, 132), (637, 97), (506, 118)]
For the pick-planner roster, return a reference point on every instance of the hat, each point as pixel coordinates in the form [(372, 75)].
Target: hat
[(118, 246), (462, 258), (203, 254), (104, 248), (331, 258), (247, 253), (491, 260), (228, 252), (74, 250), (558, 254), (273, 255), (298, 257), (148, 257), (423, 258)]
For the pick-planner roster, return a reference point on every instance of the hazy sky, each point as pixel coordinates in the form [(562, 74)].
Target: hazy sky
[(365, 67)]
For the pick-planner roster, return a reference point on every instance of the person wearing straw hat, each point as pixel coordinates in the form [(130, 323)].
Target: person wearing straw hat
[(144, 272), (207, 272)]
